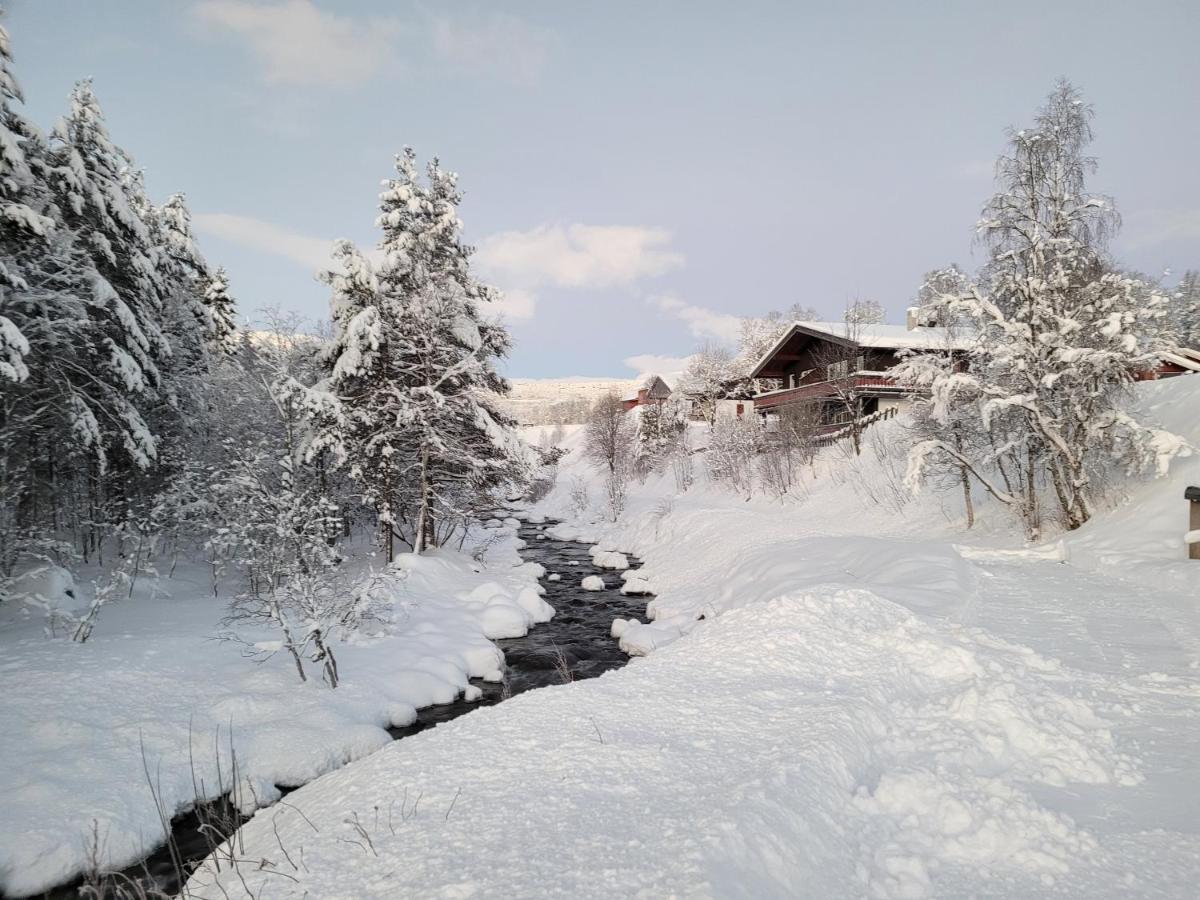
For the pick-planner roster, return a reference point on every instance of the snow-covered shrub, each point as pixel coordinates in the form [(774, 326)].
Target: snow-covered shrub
[(546, 474), (733, 447), (787, 448), (660, 427), (581, 499), (609, 445), (682, 466), (136, 542)]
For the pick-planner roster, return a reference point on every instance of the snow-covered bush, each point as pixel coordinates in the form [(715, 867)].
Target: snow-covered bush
[(733, 448), (660, 427), (609, 444), (281, 534), (546, 474)]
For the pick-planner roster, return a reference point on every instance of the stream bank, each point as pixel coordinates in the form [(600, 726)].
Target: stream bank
[(575, 644)]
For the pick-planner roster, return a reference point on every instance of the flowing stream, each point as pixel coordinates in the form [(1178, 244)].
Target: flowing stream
[(574, 645)]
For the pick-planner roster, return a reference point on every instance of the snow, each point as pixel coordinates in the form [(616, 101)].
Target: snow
[(842, 690), (1140, 540), (592, 583), (75, 715), (609, 559), (635, 584)]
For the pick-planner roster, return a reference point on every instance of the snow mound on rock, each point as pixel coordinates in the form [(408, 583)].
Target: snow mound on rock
[(609, 559)]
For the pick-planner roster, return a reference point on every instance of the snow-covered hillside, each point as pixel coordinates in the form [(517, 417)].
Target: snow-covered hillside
[(545, 401), (843, 694)]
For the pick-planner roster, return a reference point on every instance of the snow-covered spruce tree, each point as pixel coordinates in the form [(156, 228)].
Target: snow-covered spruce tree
[(22, 205), (187, 284), (122, 289), (413, 365), (1060, 332), (180, 417), (1184, 317), (220, 312), (25, 229), (659, 426)]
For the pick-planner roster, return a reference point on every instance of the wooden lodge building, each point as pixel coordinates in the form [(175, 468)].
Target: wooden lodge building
[(835, 373), (828, 370)]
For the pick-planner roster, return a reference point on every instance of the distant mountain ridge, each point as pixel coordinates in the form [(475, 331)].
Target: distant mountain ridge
[(546, 401)]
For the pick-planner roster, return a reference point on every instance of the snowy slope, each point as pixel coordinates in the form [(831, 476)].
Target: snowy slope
[(845, 695), (1142, 538), (537, 401), (77, 716)]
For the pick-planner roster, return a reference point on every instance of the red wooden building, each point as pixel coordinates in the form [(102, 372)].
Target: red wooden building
[(653, 390), (1180, 361)]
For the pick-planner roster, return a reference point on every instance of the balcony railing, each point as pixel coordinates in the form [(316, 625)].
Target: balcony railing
[(856, 382)]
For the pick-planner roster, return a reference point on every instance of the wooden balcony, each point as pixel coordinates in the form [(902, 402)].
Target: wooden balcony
[(864, 384)]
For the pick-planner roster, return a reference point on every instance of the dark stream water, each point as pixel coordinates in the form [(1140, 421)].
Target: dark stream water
[(574, 645)]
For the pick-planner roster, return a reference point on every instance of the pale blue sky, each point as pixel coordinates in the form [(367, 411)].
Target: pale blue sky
[(636, 173)]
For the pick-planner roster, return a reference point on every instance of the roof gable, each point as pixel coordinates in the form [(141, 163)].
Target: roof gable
[(883, 337)]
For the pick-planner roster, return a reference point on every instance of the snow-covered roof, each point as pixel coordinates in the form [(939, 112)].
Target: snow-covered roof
[(888, 337), (1183, 357)]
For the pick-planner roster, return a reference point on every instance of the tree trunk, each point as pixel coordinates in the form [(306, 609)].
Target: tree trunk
[(389, 519), (966, 483), (420, 539)]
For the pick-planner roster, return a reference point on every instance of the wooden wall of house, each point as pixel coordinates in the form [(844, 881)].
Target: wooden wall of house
[(811, 355)]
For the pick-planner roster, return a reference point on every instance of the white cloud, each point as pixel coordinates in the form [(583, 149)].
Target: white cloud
[(1149, 227), (516, 304), (499, 44), (578, 256), (296, 43), (310, 252), (701, 322), (314, 254)]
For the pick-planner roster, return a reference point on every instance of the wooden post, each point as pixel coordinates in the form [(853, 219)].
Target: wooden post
[(1192, 495)]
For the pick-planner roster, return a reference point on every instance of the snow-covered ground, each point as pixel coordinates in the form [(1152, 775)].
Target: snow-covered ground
[(843, 694), (76, 717)]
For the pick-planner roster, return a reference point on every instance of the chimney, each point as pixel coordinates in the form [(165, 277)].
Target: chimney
[(913, 318)]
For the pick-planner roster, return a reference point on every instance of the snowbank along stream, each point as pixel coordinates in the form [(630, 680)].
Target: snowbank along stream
[(576, 644)]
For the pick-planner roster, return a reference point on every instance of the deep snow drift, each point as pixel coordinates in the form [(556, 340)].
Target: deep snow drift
[(77, 717), (843, 694)]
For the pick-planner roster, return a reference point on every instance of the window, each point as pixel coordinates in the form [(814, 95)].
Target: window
[(841, 368)]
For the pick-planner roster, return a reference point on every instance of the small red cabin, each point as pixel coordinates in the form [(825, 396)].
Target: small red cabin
[(653, 390)]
